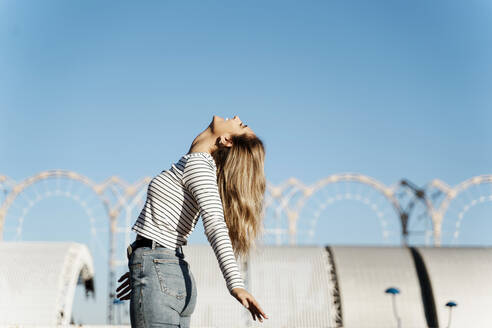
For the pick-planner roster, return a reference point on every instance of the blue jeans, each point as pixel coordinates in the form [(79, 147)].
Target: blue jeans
[(163, 288)]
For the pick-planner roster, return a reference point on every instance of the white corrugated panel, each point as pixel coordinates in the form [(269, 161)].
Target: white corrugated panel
[(364, 273), (215, 306), (463, 275), (293, 286)]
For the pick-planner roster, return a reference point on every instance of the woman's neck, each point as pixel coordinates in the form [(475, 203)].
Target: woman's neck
[(204, 142)]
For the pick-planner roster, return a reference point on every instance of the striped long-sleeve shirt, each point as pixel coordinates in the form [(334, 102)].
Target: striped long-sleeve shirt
[(176, 198)]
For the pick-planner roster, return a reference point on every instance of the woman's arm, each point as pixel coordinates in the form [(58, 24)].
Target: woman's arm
[(199, 177)]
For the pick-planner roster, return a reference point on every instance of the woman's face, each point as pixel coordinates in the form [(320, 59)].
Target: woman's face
[(229, 126)]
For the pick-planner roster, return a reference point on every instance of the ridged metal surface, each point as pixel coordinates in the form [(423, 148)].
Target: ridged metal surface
[(463, 275), (293, 285), (364, 273), (215, 306)]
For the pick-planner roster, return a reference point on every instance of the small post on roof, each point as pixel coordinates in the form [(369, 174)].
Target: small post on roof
[(450, 305), (394, 291)]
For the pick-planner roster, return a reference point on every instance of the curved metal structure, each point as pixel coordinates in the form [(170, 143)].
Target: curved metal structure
[(292, 196), (451, 193), (285, 204), (364, 273), (38, 281)]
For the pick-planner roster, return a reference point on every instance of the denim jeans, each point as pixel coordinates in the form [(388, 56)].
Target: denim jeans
[(163, 288)]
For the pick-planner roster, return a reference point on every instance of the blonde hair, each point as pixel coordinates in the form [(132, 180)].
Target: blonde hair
[(241, 181)]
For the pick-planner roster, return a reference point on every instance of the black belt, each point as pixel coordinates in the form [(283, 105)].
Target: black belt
[(143, 242)]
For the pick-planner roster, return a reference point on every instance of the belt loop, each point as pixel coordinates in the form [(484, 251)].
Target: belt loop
[(153, 244), (129, 251)]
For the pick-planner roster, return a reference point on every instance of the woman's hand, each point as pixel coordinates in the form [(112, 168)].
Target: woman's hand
[(125, 293), (249, 302)]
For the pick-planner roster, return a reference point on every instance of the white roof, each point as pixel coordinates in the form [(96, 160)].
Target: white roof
[(301, 286), (364, 274), (291, 283), (38, 281), (294, 286), (462, 275)]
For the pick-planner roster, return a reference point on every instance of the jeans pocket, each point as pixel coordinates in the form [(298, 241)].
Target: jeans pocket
[(170, 275)]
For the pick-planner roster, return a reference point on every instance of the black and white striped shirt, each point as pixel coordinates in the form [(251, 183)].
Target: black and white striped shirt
[(176, 198)]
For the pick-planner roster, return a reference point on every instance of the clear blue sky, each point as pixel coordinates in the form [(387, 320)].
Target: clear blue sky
[(389, 89)]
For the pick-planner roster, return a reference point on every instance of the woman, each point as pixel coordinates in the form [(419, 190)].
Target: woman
[(221, 179)]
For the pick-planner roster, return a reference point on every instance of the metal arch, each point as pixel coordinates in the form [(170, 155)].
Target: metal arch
[(290, 197), (4, 179), (6, 183), (283, 195), (129, 190), (387, 192), (307, 191), (21, 186), (113, 212), (440, 185), (122, 190), (284, 192), (451, 193), (26, 210)]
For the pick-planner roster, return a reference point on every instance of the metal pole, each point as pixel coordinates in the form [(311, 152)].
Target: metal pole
[(111, 264), (398, 319)]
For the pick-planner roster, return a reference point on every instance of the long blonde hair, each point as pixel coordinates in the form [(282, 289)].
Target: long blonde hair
[(242, 183)]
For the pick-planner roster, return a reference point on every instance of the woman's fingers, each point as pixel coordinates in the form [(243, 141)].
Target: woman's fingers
[(125, 297), (249, 302), (255, 315), (256, 310), (123, 292), (125, 276), (123, 284), (251, 309), (260, 311), (249, 305)]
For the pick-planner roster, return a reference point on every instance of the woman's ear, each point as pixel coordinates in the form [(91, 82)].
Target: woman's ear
[(224, 141)]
